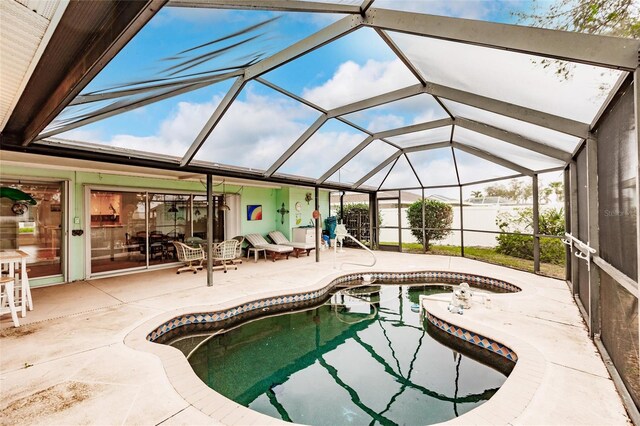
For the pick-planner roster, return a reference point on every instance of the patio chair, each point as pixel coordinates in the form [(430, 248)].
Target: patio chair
[(195, 242), (240, 239), (273, 250), (192, 257), (225, 252), (298, 248)]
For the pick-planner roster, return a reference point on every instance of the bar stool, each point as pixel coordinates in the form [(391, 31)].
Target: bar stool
[(22, 292), (7, 303)]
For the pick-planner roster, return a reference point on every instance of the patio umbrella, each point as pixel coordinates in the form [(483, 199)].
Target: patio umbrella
[(16, 195)]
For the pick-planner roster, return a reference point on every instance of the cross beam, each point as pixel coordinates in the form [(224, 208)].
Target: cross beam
[(602, 51), (514, 139), (493, 158)]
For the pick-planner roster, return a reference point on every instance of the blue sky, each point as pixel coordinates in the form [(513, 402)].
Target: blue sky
[(261, 123), (173, 30)]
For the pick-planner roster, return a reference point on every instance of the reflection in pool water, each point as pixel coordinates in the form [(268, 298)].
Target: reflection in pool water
[(362, 358)]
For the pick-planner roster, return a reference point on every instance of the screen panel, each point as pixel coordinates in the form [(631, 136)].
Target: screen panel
[(617, 192), (509, 76), (515, 154), (414, 110), (534, 132)]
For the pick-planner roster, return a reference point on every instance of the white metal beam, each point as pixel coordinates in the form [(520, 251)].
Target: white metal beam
[(276, 5), (427, 147), (290, 95), (513, 139), (366, 4), (413, 169), (550, 121), (362, 145), (400, 54), (379, 167), (314, 41), (120, 108), (296, 145), (375, 101), (603, 51), (414, 128), (381, 135), (217, 115), (493, 158)]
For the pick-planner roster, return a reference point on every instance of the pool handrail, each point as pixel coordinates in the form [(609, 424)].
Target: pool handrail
[(335, 252)]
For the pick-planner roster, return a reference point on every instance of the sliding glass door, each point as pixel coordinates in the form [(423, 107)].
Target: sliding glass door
[(118, 230), (136, 230)]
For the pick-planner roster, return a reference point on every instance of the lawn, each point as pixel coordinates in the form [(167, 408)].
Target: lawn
[(488, 254)]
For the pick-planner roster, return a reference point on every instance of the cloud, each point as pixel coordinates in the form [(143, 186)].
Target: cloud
[(321, 152), (174, 135), (353, 82), (256, 131), (459, 9)]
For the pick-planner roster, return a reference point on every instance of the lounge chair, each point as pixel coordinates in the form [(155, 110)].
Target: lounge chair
[(273, 250), (298, 248)]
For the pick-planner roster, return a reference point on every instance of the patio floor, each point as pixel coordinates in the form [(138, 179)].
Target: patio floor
[(67, 363)]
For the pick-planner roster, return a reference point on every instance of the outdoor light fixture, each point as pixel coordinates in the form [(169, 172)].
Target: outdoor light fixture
[(224, 205)]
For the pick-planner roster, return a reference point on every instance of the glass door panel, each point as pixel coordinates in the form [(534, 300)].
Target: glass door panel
[(36, 229), (117, 230), (168, 218)]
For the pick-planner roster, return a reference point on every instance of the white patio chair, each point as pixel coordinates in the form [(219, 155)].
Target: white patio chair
[(240, 240), (226, 252), (192, 257)]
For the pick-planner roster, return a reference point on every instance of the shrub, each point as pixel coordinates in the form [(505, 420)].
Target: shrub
[(551, 222), (438, 215)]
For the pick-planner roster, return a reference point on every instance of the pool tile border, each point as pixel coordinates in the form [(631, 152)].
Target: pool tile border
[(472, 337), (292, 299)]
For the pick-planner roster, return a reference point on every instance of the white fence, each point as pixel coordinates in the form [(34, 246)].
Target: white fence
[(475, 217)]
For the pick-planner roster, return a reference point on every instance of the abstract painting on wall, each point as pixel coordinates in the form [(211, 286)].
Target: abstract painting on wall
[(254, 212)]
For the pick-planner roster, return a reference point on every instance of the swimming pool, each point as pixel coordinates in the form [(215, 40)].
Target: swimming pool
[(363, 357)]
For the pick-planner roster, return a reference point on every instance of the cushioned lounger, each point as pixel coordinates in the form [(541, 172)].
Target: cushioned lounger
[(298, 248), (274, 250)]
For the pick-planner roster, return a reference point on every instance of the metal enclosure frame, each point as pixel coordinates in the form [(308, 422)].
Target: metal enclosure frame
[(28, 121)]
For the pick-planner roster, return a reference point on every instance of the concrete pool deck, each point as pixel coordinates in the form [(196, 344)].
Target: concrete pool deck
[(68, 363)]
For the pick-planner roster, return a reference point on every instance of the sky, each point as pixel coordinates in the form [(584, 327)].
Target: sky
[(262, 123)]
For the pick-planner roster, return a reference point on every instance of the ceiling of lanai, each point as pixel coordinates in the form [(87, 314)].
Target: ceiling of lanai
[(350, 95)]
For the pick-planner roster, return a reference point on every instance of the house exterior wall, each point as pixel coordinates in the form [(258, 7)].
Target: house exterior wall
[(75, 207)]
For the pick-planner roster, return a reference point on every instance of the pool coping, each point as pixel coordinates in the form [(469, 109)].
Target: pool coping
[(502, 408)]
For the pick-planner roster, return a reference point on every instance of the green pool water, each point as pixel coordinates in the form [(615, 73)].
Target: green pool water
[(364, 357)]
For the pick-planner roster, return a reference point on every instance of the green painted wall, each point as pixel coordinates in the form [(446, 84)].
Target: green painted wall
[(296, 195), (271, 200), (266, 198), (282, 223)]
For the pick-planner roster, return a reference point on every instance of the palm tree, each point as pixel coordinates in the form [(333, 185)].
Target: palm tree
[(476, 194), (558, 190)]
